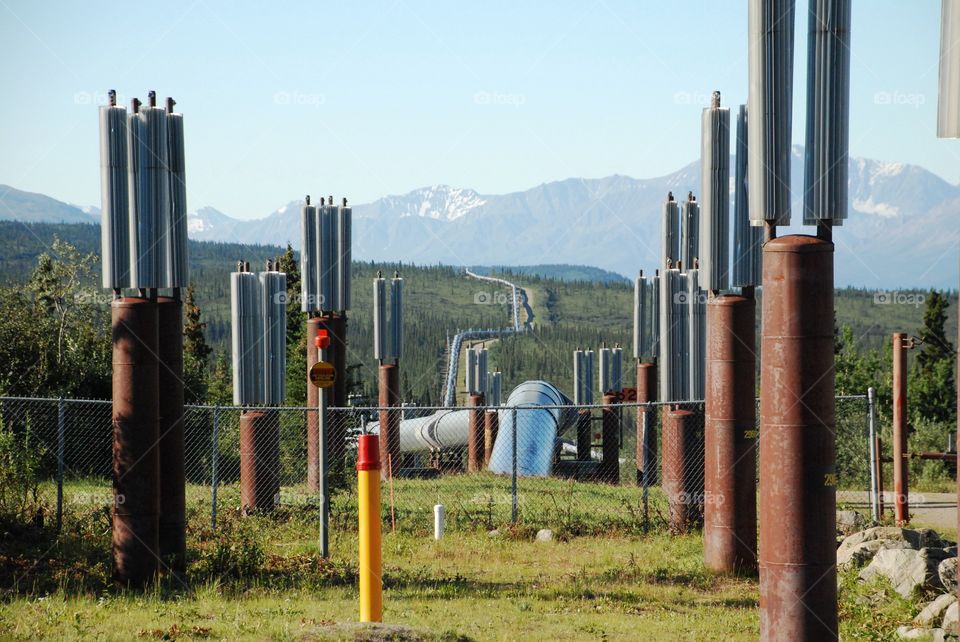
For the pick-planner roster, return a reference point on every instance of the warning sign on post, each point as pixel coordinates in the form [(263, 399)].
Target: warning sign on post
[(323, 374)]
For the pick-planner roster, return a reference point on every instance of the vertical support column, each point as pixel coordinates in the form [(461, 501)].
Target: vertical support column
[(389, 389), (610, 466), (491, 426), (61, 448), (584, 434), (214, 467), (901, 481), (173, 506), (798, 576), (730, 459), (475, 434), (646, 443), (136, 429), (259, 461), (313, 401), (875, 512), (682, 469)]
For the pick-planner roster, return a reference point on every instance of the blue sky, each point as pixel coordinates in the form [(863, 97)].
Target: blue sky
[(367, 99)]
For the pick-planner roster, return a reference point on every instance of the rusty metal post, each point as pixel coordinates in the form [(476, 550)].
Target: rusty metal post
[(259, 461), (730, 459), (475, 434), (491, 426), (901, 465), (682, 469), (173, 507), (136, 430), (798, 575), (313, 418), (584, 435), (646, 393), (610, 464), (390, 415)]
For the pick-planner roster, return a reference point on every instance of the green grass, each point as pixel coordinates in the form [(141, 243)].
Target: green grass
[(262, 578)]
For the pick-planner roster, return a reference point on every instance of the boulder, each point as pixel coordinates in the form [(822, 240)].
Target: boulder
[(920, 538), (859, 555), (950, 619), (849, 521), (544, 535), (928, 635), (948, 574), (932, 613), (908, 570)]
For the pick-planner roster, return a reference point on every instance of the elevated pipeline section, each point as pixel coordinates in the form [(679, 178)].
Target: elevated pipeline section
[(540, 423), (518, 297)]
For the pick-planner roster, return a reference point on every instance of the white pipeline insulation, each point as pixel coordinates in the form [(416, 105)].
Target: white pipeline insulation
[(770, 67)]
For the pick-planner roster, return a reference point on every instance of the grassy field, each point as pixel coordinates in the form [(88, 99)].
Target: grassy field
[(262, 578)]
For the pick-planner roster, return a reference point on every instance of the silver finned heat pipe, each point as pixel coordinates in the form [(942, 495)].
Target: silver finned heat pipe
[(747, 239)]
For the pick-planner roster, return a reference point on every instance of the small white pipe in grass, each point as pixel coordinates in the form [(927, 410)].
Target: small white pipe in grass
[(438, 521)]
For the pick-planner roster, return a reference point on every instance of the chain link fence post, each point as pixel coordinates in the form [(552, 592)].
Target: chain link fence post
[(513, 481), (872, 449), (214, 463), (648, 411), (61, 448)]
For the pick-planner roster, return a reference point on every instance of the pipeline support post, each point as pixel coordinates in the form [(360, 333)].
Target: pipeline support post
[(173, 502), (730, 460), (491, 426), (370, 555), (323, 432), (389, 391), (259, 461), (901, 469), (136, 432), (610, 464), (475, 441), (682, 470), (798, 557), (646, 430)]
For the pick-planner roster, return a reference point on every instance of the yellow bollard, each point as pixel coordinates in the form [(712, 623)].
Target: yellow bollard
[(368, 500)]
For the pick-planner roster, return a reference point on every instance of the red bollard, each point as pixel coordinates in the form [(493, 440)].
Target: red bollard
[(730, 458), (798, 550), (136, 430), (901, 467)]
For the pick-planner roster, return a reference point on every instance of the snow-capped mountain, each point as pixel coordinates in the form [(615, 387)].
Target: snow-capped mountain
[(903, 227)]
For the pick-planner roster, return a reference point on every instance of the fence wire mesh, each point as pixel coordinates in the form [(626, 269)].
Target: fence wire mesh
[(265, 460)]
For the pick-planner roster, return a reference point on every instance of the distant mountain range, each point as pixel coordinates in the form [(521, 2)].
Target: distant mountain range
[(903, 227)]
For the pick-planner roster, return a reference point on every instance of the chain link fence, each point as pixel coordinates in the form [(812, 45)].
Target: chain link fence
[(70, 442)]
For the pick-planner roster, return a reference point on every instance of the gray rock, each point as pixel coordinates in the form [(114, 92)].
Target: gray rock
[(948, 574), (929, 635), (933, 612), (544, 535), (950, 619), (493, 533), (849, 521), (921, 538), (859, 555), (908, 570)]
